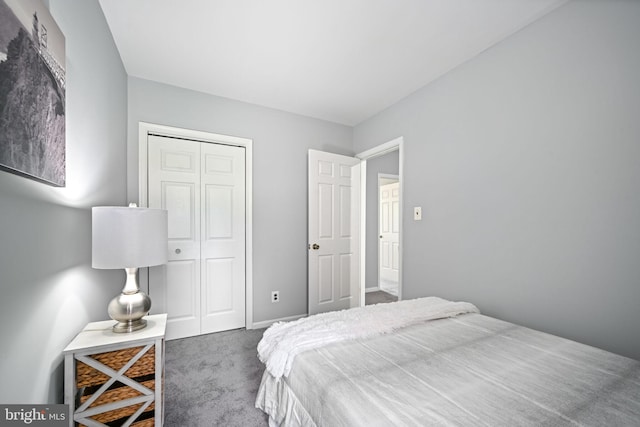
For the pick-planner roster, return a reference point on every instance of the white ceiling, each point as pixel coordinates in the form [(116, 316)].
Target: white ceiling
[(337, 60)]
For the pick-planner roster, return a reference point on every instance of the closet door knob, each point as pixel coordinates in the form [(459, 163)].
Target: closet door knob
[(178, 251)]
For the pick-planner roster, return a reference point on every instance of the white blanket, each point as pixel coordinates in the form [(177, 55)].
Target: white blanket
[(470, 370), (283, 341)]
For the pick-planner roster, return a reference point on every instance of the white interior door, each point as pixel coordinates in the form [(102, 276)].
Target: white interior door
[(201, 185), (389, 228), (334, 227)]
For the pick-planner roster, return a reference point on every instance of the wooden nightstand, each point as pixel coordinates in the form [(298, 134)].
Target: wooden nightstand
[(116, 377)]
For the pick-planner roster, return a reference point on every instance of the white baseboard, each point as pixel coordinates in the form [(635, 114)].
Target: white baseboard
[(267, 323), (376, 289)]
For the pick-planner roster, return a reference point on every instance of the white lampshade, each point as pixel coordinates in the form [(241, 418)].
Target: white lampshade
[(128, 237)]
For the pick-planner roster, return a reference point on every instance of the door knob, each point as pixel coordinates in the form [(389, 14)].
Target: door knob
[(178, 251), (315, 247)]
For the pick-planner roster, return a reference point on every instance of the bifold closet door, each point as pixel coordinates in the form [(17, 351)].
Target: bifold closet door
[(202, 185)]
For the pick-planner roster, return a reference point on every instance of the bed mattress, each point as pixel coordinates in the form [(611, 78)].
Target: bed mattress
[(469, 370)]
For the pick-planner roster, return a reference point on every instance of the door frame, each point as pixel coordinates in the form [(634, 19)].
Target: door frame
[(396, 144), (144, 129)]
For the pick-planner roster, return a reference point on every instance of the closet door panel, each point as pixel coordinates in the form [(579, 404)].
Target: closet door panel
[(174, 185), (223, 237)]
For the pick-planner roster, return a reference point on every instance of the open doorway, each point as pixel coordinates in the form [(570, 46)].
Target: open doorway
[(381, 270), (348, 268)]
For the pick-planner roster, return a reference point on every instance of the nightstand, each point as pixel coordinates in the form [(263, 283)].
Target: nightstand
[(116, 377)]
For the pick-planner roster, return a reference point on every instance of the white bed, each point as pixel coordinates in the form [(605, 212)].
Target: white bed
[(455, 367)]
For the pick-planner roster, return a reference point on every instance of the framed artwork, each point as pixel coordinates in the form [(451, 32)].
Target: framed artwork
[(32, 92)]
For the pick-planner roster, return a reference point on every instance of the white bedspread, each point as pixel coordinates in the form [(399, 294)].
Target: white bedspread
[(469, 370), (283, 341)]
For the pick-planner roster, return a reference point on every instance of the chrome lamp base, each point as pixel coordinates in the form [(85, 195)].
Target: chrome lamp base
[(129, 326), (129, 308)]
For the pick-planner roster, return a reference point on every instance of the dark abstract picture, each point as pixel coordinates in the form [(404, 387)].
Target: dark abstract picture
[(32, 92)]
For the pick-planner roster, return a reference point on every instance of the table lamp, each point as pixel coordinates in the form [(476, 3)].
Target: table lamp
[(129, 238)]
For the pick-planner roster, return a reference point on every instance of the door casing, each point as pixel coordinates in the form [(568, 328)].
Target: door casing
[(396, 144), (144, 129)]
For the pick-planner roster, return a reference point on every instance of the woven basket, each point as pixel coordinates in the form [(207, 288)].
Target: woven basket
[(116, 414), (118, 394), (87, 376), (149, 422)]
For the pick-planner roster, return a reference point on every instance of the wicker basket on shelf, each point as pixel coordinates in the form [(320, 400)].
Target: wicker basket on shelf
[(89, 381)]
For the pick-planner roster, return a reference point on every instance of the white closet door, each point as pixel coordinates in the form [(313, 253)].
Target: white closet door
[(202, 185), (223, 237), (174, 185)]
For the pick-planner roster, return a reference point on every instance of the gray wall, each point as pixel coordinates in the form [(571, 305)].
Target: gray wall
[(526, 161), (48, 290), (387, 164), (280, 144)]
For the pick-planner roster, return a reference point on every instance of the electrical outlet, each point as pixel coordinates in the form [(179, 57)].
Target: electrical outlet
[(275, 296), (417, 213)]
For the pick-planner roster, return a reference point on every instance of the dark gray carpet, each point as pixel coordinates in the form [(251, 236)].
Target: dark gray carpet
[(212, 380), (378, 296)]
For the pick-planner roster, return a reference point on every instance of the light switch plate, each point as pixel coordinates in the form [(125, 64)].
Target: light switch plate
[(417, 213)]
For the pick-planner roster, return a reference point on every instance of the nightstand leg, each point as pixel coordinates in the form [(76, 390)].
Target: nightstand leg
[(69, 386)]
